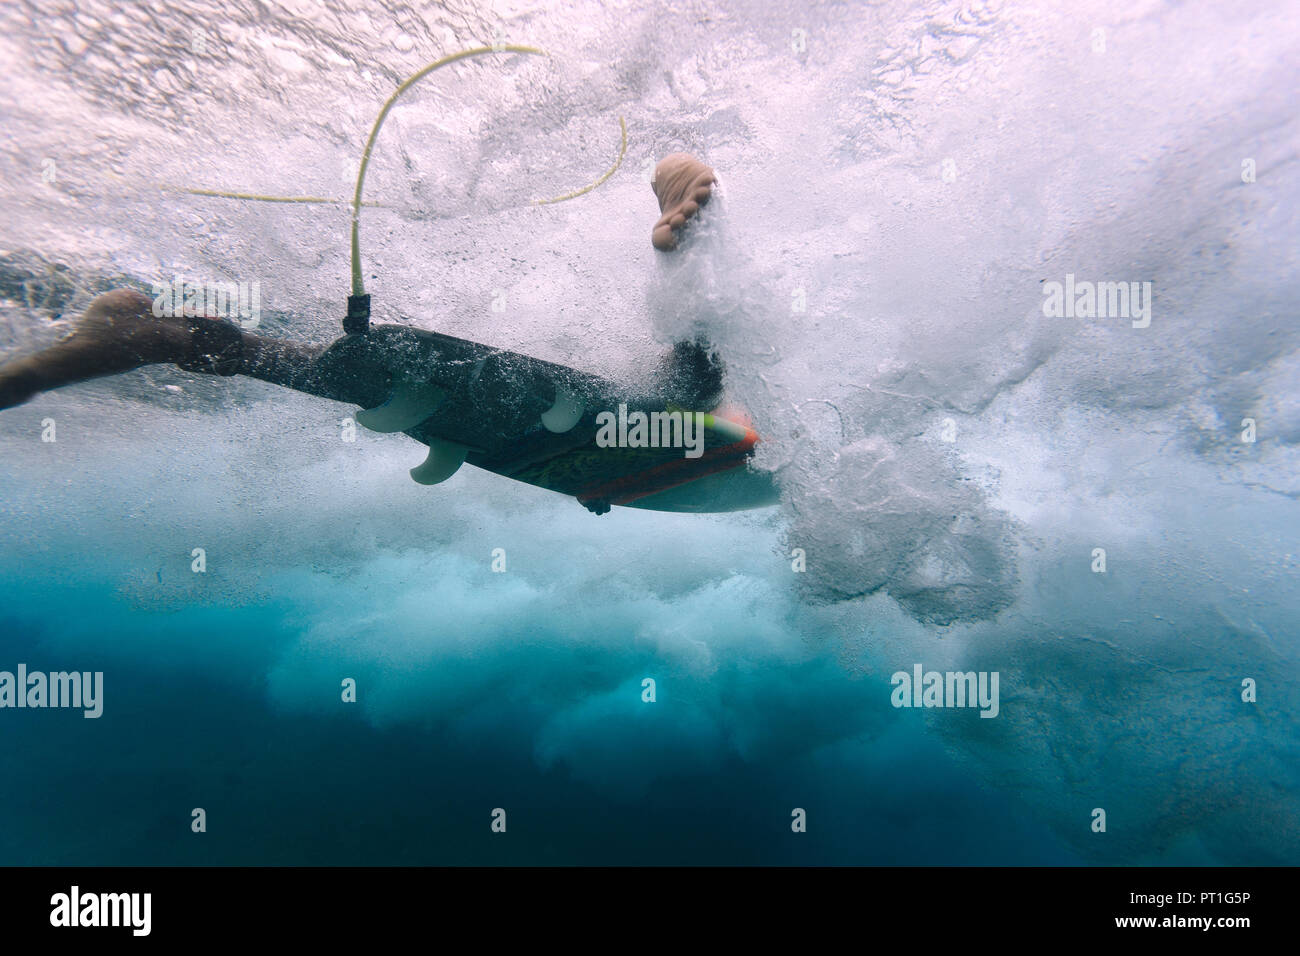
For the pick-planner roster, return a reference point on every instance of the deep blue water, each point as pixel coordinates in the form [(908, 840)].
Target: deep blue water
[(330, 789)]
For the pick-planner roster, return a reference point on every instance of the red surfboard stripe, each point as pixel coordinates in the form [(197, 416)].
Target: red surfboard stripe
[(668, 475)]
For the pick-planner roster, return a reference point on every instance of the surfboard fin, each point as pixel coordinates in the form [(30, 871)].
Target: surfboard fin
[(410, 404), (445, 459), (565, 413)]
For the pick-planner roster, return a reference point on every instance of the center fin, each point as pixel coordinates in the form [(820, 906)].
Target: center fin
[(445, 458)]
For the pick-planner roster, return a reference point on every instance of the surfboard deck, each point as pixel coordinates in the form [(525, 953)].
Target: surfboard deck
[(492, 407)]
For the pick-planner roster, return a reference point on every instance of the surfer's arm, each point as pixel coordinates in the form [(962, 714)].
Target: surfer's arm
[(119, 332), (690, 374)]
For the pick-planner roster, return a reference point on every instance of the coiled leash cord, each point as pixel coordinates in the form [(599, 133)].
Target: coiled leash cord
[(357, 319)]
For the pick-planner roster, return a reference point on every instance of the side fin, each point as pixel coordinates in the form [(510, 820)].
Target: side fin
[(565, 413), (445, 458), (410, 404)]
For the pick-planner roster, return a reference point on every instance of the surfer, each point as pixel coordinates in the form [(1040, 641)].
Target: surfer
[(119, 332)]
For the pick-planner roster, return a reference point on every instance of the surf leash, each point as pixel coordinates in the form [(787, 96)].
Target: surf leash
[(357, 319)]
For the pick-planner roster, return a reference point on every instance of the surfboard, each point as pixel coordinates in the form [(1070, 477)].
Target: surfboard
[(545, 424)]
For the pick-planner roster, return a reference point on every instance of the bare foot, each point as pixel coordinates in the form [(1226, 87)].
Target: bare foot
[(118, 333), (683, 184)]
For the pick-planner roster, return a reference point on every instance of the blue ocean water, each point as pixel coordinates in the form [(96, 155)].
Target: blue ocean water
[(619, 782), (522, 689), (1099, 511)]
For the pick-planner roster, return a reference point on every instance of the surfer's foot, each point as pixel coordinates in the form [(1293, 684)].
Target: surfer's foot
[(118, 333), (683, 184)]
